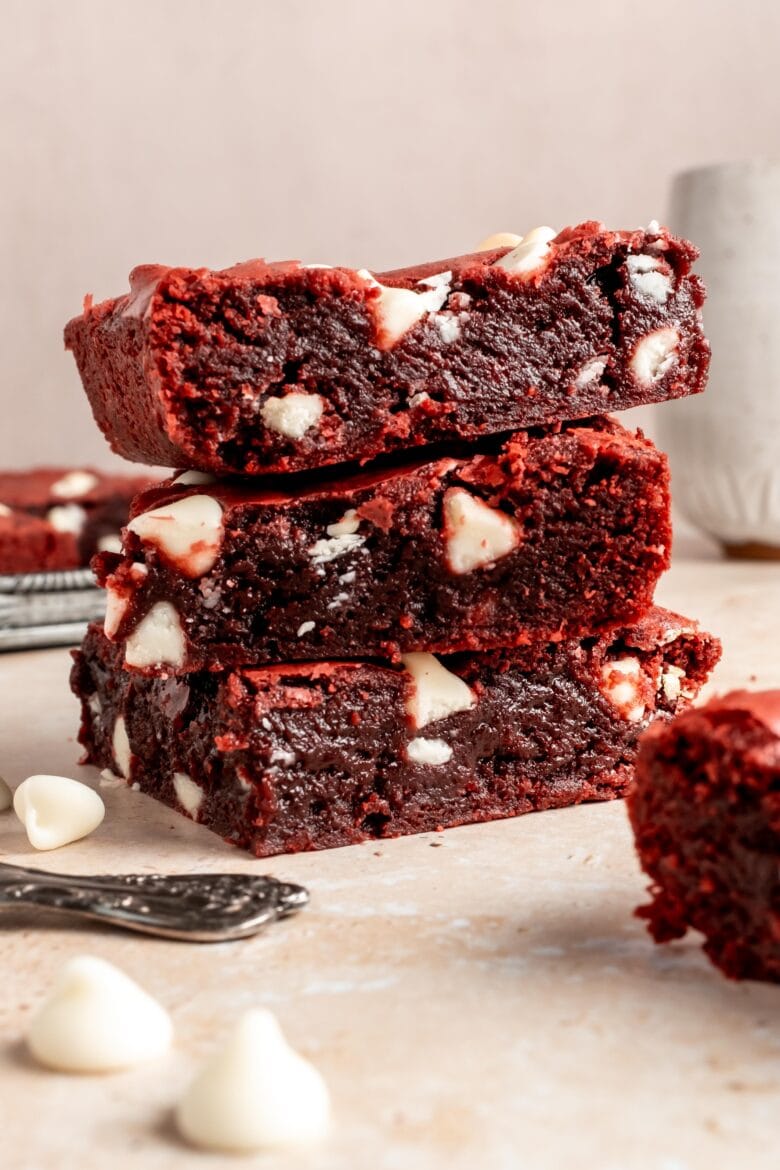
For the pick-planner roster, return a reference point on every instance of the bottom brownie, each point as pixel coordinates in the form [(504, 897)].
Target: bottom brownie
[(315, 755), (706, 815)]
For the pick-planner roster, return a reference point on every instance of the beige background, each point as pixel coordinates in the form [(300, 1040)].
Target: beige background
[(207, 131)]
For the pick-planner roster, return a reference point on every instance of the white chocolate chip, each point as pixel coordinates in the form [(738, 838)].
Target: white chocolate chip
[(346, 526), (531, 253), (188, 532), (111, 542), (73, 485), (304, 628), (428, 751), (654, 355), (620, 683), (293, 415), (437, 692), (56, 810), (282, 756), (67, 518), (475, 534), (449, 325), (98, 1020), (499, 240), (671, 682), (396, 310), (323, 551), (256, 1093), (590, 372), (120, 748), (6, 796), (117, 601), (189, 794), (157, 639), (193, 479), (5, 510), (646, 280)]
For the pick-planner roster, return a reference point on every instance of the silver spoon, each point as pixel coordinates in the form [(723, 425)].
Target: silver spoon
[(199, 907)]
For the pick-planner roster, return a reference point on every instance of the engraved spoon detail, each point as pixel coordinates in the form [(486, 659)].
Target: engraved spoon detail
[(187, 907)]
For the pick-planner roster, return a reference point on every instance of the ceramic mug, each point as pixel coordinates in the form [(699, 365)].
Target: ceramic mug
[(724, 445)]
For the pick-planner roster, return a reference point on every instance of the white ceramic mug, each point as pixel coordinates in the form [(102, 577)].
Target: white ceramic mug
[(724, 445)]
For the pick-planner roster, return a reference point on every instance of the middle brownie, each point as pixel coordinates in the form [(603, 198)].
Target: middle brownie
[(552, 534)]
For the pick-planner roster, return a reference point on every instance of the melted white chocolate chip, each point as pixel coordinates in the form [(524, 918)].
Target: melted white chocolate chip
[(293, 415), (498, 240), (56, 810), (397, 310), (157, 639), (428, 751), (436, 692), (475, 534), (621, 680), (654, 355), (255, 1094), (97, 1020), (120, 748), (188, 532), (189, 794)]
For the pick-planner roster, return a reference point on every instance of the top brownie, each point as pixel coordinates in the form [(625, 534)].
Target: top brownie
[(286, 366)]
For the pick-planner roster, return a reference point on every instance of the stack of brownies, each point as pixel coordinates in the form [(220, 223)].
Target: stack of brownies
[(405, 579)]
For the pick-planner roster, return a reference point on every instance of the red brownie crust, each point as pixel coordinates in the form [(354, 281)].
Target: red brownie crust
[(316, 755), (705, 810), (284, 367), (547, 536)]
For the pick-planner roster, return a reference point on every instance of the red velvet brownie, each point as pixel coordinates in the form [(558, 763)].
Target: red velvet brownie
[(57, 518), (286, 366), (315, 755), (706, 814), (556, 534)]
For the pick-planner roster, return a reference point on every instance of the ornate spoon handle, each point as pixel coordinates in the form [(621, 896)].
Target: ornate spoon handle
[(190, 907)]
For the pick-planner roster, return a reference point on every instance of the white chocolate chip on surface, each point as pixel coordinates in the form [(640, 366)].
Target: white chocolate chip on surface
[(304, 628), (397, 310), (120, 748), (437, 692), (193, 478), (346, 526), (499, 240), (56, 810), (654, 355), (621, 679), (428, 751), (111, 542), (645, 279), (97, 1020), (6, 796), (67, 518), (255, 1093), (73, 485), (293, 415), (157, 639), (475, 534), (189, 794), (531, 253), (188, 532)]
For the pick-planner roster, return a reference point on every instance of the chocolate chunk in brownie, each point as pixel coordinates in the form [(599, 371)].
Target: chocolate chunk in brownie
[(706, 815), (286, 366), (313, 755)]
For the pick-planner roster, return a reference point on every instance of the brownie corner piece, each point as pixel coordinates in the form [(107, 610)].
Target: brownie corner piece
[(316, 755), (705, 810), (286, 366)]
